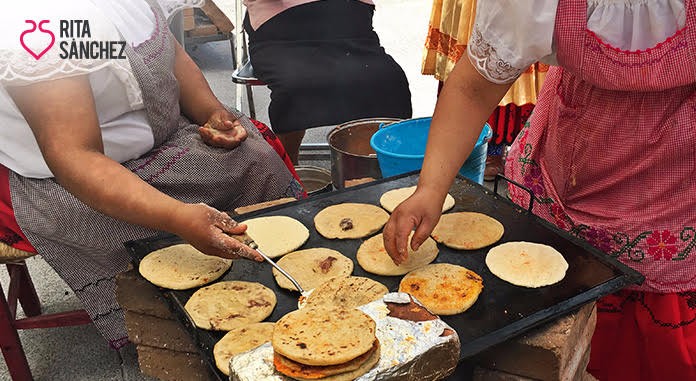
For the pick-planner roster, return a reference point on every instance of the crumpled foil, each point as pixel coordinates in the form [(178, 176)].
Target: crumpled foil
[(410, 351)]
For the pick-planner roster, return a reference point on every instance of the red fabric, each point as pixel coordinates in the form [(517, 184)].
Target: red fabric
[(642, 336), (507, 121), (10, 233), (273, 140), (609, 154)]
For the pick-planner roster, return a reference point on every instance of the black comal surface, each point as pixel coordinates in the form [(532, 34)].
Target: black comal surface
[(501, 311)]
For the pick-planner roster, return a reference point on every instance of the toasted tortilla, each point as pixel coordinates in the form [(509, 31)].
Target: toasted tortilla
[(350, 220), (467, 230), (443, 288), (181, 267), (240, 340), (348, 292), (308, 372), (312, 267), (227, 305), (324, 336), (527, 264)]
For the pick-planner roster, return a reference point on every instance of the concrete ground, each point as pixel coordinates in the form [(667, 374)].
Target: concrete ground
[(79, 353)]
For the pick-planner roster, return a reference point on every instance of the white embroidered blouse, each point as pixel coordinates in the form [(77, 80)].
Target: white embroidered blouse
[(126, 133), (510, 35)]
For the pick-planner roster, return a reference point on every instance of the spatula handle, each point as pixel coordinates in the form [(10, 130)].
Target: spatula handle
[(245, 239)]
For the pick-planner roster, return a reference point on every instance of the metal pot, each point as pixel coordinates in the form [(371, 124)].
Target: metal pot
[(351, 154), (315, 179)]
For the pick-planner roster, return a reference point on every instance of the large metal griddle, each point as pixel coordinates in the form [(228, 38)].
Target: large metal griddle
[(502, 310)]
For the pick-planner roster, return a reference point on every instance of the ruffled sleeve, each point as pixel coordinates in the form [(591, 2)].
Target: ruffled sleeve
[(510, 35)]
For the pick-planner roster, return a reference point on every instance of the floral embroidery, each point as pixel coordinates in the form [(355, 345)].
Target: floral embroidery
[(656, 244), (487, 61), (662, 244), (599, 238), (533, 180)]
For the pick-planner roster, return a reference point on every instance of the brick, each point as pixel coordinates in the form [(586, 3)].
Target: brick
[(169, 365), (550, 352), (160, 333), (136, 294)]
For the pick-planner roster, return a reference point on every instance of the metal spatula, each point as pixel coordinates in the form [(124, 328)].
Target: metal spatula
[(247, 240)]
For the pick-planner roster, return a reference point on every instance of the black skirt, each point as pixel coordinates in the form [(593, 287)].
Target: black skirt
[(324, 65)]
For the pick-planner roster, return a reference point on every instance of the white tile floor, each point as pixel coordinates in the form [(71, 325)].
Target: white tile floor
[(79, 353)]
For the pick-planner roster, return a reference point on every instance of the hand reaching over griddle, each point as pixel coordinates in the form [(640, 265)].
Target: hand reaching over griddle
[(223, 130), (210, 230), (421, 212)]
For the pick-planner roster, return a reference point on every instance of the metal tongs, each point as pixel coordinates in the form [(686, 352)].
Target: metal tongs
[(247, 240)]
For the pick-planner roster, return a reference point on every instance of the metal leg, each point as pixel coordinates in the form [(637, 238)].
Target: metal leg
[(250, 99)]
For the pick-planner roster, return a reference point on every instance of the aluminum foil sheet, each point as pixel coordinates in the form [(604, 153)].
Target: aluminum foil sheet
[(410, 351)]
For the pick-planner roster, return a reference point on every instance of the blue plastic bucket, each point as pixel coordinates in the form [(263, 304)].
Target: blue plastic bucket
[(400, 148)]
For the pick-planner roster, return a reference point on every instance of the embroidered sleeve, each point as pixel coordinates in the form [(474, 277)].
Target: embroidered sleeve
[(510, 35)]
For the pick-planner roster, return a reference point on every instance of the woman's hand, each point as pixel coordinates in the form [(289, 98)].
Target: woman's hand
[(209, 230), (420, 211), (223, 130)]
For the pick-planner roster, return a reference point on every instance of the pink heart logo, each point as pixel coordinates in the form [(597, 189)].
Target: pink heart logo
[(37, 56)]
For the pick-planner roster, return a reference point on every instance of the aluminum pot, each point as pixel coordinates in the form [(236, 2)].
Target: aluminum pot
[(351, 154), (315, 179)]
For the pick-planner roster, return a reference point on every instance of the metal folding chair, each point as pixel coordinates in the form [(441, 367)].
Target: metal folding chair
[(243, 74)]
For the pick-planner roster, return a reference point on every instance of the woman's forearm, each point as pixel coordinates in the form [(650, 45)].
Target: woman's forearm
[(196, 99), (466, 102), (110, 188)]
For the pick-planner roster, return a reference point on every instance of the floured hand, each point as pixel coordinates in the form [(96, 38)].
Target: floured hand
[(210, 230), (223, 130)]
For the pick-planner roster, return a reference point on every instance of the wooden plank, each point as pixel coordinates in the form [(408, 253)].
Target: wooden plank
[(189, 20), (217, 17)]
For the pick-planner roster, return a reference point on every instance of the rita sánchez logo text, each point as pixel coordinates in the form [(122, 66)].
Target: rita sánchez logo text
[(75, 41)]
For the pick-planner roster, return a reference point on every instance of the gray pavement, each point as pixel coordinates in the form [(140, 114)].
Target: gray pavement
[(79, 353)]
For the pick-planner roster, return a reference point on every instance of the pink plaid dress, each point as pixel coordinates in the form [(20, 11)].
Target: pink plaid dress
[(610, 153)]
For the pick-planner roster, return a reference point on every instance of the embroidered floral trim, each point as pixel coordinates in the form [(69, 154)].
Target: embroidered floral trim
[(656, 245), (487, 61)]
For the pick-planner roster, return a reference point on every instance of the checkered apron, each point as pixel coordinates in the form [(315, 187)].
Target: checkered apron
[(610, 151), (86, 247)]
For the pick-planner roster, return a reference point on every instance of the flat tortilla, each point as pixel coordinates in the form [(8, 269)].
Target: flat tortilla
[(226, 305), (239, 340), (527, 264), (312, 267), (347, 292), (324, 336), (277, 235), (181, 267), (307, 372), (350, 220), (391, 199), (373, 257), (467, 230), (443, 288)]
